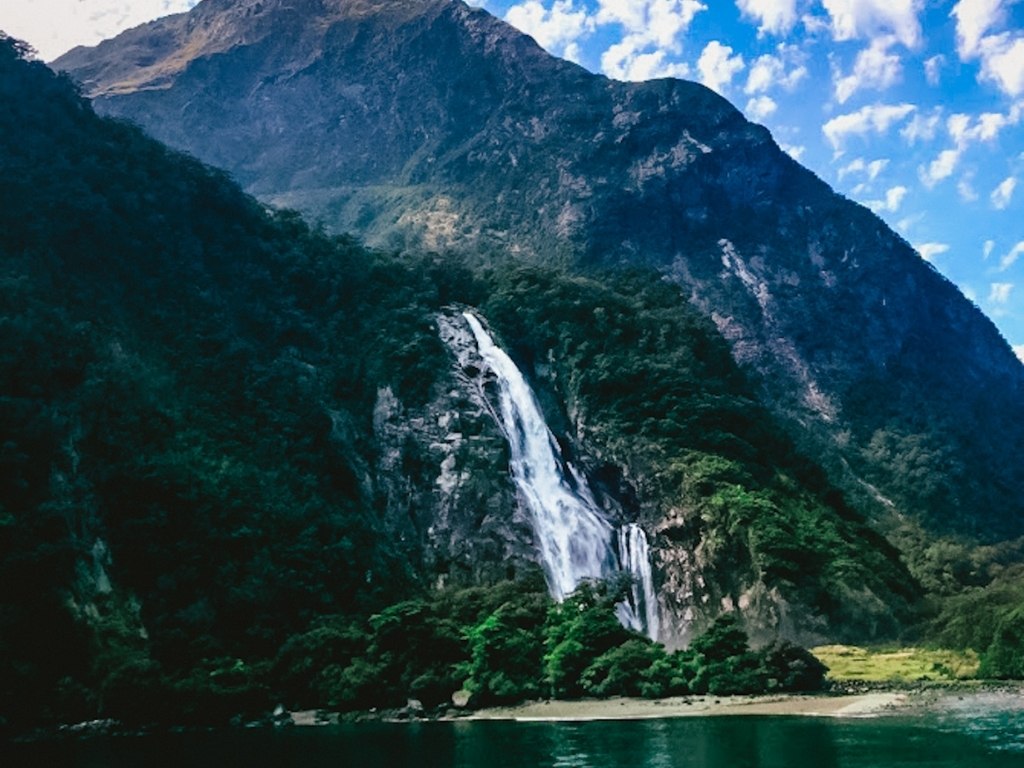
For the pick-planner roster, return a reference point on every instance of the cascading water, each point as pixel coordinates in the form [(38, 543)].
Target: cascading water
[(636, 559), (576, 542)]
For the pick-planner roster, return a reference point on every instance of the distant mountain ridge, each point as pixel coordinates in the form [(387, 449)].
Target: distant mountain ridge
[(432, 125)]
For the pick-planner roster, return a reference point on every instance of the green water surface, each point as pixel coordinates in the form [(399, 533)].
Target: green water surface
[(965, 734)]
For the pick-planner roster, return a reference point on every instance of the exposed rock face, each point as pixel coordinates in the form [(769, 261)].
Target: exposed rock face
[(442, 476), (430, 124)]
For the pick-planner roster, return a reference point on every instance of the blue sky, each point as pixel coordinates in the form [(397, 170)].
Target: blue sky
[(914, 108)]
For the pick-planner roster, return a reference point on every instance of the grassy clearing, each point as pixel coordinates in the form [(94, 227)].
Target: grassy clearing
[(850, 663)]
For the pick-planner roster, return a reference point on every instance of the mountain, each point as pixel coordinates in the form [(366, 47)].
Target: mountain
[(430, 125), (232, 442)]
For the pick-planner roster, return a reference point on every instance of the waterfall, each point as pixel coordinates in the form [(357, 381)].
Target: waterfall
[(576, 542), (636, 560)]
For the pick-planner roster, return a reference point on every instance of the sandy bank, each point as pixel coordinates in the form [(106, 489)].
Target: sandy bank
[(859, 705)]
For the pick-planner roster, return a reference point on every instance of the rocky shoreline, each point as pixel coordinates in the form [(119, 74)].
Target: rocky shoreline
[(857, 700)]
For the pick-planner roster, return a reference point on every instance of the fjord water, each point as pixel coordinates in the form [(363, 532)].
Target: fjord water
[(697, 742), (576, 541)]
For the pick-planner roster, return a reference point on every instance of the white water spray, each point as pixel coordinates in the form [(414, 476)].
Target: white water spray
[(576, 542), (636, 560)]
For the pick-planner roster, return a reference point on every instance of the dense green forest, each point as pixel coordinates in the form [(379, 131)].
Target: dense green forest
[(189, 527)]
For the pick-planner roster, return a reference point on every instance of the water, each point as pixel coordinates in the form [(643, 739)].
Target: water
[(697, 742), (636, 559), (576, 542)]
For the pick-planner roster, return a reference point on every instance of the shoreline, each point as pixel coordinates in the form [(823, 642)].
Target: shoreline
[(869, 704)]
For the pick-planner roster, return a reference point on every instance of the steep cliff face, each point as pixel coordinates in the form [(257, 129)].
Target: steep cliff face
[(442, 476), (433, 125)]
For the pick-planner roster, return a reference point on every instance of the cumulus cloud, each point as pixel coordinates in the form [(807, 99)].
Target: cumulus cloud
[(775, 17), (718, 66), (55, 26), (657, 22), (1018, 350), (1011, 257), (929, 251), (999, 293), (966, 190), (557, 29), (965, 131), (933, 69), (875, 67), (1001, 54), (940, 168), (1003, 193), (653, 31), (624, 62), (761, 107), (794, 151), (785, 70), (859, 19), (973, 19), (891, 204), (859, 165), (922, 127), (874, 118), (1002, 62)]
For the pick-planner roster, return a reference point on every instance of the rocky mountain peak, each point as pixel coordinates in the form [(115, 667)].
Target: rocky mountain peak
[(431, 126)]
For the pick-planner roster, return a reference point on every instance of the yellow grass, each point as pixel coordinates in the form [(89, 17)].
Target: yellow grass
[(850, 663)]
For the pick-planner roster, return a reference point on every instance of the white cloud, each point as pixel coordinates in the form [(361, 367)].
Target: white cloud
[(794, 151), (1018, 350), (965, 130), (653, 31), (987, 248), (922, 127), (652, 22), (760, 107), (1011, 257), (623, 62), (871, 170), (894, 198), (1001, 54), (718, 66), (54, 26), (973, 19), (966, 190), (854, 166), (874, 118), (1003, 193), (858, 19), (1002, 62), (770, 71), (999, 293), (940, 168), (555, 29), (776, 17), (875, 67), (929, 251), (933, 69), (891, 204)]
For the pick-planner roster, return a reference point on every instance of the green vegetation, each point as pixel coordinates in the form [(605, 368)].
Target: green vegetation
[(848, 663), (990, 620), (189, 380), (659, 394)]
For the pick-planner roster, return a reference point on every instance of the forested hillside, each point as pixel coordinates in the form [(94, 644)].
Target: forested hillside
[(198, 511)]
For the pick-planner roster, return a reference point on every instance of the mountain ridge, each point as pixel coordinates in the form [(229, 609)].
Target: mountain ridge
[(230, 441), (441, 128)]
